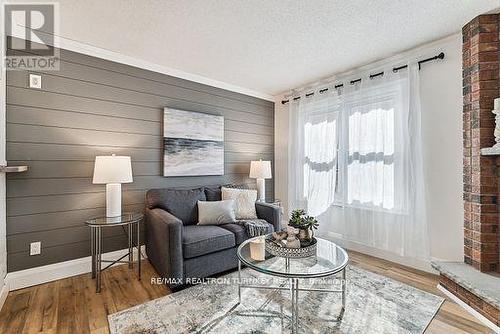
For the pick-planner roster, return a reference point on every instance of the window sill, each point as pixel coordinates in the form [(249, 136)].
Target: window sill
[(370, 209)]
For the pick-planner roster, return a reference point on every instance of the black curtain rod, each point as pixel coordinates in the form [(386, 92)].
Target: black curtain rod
[(376, 75), (352, 82), (439, 56)]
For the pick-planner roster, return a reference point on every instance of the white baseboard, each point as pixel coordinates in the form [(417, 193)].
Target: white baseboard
[(52, 272), (386, 255), (3, 295), (469, 309)]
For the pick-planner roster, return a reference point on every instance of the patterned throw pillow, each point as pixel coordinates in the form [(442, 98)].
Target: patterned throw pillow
[(244, 200), (237, 186)]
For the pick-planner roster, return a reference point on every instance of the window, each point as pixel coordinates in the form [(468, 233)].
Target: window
[(355, 161), (353, 154), (320, 160), (317, 146)]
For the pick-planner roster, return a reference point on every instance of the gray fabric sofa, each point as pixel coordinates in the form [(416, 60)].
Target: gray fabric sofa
[(182, 251)]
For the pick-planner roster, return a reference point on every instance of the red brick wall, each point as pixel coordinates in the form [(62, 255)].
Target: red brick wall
[(481, 48)]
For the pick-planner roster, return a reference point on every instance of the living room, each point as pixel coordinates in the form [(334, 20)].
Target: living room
[(250, 167)]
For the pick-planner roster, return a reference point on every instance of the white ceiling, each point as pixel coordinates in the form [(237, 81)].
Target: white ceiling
[(267, 46)]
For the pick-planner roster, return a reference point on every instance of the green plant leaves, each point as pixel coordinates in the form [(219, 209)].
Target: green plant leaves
[(299, 219)]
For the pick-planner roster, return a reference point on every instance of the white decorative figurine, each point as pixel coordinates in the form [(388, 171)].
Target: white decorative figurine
[(292, 241), (496, 111), (495, 149)]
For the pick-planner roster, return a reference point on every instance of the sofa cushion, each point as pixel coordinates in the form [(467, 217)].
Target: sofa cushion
[(182, 203), (245, 201), (203, 239), (216, 212), (213, 194), (240, 233)]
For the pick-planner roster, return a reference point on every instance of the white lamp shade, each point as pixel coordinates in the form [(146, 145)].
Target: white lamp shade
[(260, 169), (112, 169)]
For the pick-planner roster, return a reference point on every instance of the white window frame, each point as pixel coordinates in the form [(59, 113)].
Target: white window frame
[(341, 187)]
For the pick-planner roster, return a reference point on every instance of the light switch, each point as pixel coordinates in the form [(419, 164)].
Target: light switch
[(35, 81), (35, 248)]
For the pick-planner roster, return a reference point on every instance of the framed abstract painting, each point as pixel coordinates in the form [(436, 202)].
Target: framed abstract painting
[(193, 143)]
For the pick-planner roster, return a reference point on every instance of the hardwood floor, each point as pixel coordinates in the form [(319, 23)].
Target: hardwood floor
[(71, 305), (451, 318)]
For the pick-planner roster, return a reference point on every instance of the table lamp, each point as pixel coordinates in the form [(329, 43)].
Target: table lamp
[(261, 170), (113, 170)]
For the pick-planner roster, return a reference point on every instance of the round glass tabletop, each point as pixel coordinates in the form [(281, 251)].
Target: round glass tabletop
[(124, 219), (329, 259)]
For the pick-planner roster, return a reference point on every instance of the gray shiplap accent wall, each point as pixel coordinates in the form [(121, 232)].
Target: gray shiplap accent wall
[(94, 107)]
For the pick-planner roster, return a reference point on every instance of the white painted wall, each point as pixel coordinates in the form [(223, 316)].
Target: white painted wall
[(441, 94)]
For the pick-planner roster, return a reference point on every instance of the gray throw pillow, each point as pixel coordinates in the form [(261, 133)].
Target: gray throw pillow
[(179, 202), (213, 193), (216, 212)]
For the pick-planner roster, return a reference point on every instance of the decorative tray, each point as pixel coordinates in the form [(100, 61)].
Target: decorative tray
[(278, 249)]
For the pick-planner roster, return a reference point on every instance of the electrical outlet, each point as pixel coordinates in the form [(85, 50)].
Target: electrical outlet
[(35, 248), (35, 81)]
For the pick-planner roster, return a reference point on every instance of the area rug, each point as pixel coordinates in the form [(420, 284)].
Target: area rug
[(374, 304)]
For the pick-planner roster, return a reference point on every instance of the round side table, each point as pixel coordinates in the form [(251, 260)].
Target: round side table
[(132, 221)]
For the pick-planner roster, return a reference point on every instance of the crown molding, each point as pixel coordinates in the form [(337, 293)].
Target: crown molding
[(95, 51)]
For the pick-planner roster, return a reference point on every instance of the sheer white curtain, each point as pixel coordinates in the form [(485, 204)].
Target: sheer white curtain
[(313, 144), (355, 162)]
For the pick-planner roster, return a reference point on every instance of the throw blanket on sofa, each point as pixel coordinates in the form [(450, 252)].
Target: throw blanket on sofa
[(255, 227)]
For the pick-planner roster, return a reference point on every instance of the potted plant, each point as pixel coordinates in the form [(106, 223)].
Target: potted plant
[(305, 224)]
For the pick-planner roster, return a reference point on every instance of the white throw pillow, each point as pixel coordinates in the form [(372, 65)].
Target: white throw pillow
[(216, 212), (244, 201)]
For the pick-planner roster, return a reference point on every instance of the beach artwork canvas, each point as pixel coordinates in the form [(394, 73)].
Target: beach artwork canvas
[(193, 143)]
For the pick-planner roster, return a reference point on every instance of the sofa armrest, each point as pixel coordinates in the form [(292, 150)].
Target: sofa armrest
[(164, 244), (270, 213)]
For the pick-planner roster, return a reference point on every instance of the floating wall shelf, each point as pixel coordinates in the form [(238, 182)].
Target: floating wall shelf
[(490, 151)]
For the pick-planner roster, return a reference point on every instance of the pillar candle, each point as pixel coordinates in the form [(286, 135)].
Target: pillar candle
[(258, 249)]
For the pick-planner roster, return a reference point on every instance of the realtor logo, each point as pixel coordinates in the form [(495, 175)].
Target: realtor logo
[(31, 31)]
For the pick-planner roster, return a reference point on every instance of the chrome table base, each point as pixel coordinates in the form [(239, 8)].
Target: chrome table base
[(96, 251), (294, 293)]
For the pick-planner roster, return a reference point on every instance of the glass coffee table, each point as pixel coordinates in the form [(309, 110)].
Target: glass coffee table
[(330, 259)]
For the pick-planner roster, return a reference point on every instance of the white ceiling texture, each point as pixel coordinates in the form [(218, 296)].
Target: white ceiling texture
[(264, 46)]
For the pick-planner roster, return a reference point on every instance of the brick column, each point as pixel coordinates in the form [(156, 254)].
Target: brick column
[(481, 179)]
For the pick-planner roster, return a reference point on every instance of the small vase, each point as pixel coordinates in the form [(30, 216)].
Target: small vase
[(305, 235)]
